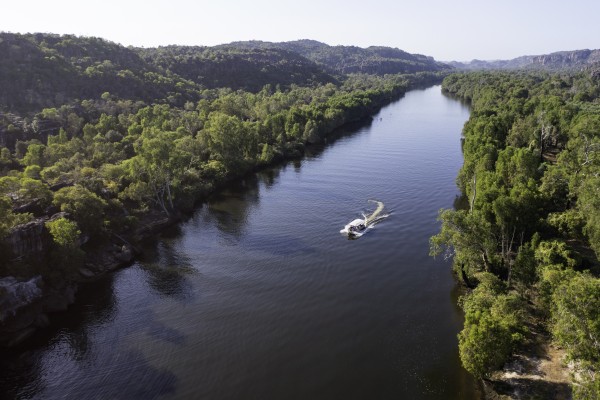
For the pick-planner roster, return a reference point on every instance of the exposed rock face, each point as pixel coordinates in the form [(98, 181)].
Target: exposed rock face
[(576, 59), (15, 295), (21, 311), (31, 239), (106, 259), (567, 59), (24, 304)]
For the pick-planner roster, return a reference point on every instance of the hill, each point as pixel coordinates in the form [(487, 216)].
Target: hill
[(41, 70), (572, 60), (239, 68), (46, 70), (376, 60)]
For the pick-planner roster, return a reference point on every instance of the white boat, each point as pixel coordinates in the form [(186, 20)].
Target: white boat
[(356, 228)]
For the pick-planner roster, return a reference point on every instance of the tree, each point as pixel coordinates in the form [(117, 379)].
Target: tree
[(576, 318), (64, 232), (589, 203), (65, 256), (157, 168), (493, 326), (33, 189), (35, 155), (227, 141), (85, 206), (10, 219), (467, 237)]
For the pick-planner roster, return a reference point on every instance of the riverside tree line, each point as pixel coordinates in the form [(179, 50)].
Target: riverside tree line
[(109, 163), (527, 240)]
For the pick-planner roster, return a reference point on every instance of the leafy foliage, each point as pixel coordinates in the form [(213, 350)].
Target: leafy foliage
[(351, 59), (113, 136), (531, 167)]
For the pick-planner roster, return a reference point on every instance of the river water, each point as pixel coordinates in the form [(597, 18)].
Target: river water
[(258, 296)]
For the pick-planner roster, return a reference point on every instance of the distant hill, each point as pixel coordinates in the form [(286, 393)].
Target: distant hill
[(577, 59), (237, 68), (47, 70), (350, 59)]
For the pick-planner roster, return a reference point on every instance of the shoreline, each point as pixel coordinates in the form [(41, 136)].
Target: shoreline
[(121, 249)]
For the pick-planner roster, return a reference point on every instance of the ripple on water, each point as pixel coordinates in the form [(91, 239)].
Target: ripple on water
[(258, 296)]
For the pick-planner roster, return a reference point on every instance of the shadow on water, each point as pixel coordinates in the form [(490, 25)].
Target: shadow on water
[(166, 268), (132, 378), (25, 374), (229, 208), (269, 176), (346, 131), (95, 304)]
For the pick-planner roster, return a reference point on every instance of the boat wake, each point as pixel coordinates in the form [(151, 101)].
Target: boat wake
[(359, 227)]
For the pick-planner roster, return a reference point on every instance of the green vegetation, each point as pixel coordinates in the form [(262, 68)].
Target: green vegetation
[(529, 240), (40, 71), (377, 60), (116, 138)]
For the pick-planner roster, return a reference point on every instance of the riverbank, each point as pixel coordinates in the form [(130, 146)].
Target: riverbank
[(118, 249), (260, 285), (529, 239)]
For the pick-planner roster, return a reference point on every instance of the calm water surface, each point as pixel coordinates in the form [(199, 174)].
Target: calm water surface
[(258, 296)]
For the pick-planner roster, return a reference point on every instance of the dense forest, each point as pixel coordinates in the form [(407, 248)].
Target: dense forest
[(527, 241), (44, 70), (101, 144), (377, 60)]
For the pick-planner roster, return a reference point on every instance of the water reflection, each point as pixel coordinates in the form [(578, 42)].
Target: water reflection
[(167, 269), (130, 376), (280, 314), (160, 331), (95, 305), (269, 176), (229, 209)]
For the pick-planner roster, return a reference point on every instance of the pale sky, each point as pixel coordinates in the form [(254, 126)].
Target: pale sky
[(445, 29)]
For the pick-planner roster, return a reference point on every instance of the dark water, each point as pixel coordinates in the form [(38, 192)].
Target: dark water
[(258, 296)]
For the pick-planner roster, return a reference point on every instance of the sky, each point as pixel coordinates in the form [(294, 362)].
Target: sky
[(448, 30)]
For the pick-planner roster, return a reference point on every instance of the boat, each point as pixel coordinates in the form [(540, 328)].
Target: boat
[(357, 227)]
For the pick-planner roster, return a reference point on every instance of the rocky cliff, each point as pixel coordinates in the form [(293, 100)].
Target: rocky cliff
[(577, 59)]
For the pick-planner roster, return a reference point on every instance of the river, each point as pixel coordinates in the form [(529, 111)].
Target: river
[(258, 296)]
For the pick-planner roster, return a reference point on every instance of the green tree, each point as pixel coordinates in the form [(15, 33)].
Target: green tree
[(66, 256), (85, 207), (467, 237), (589, 203), (576, 318), (493, 326), (33, 189), (35, 155), (65, 233)]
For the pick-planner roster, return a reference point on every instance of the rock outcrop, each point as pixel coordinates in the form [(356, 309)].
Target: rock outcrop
[(31, 239), (28, 239), (15, 295), (20, 309), (577, 59)]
